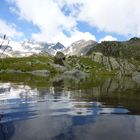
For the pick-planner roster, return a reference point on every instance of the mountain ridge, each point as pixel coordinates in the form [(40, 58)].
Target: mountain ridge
[(27, 48), (79, 48)]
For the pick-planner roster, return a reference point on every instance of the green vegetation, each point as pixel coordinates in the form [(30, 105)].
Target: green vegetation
[(32, 63), (26, 79), (28, 64), (124, 50), (86, 64), (108, 57), (44, 82)]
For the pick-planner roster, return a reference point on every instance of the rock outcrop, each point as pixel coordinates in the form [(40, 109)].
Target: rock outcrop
[(40, 72), (136, 77), (80, 47), (123, 66), (35, 72), (75, 73), (59, 58)]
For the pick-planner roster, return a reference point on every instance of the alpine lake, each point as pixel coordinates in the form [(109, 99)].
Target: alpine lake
[(61, 108)]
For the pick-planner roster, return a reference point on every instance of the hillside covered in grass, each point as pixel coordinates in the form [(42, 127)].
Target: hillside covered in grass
[(50, 63), (126, 50), (108, 57), (121, 57), (26, 64)]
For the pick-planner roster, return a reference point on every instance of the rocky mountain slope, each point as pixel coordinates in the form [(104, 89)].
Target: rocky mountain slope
[(122, 57), (125, 50), (27, 48), (80, 47), (108, 57)]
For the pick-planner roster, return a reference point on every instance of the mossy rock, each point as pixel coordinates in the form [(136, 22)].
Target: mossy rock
[(59, 58)]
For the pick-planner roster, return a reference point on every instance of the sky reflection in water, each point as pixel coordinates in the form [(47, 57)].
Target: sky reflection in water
[(102, 112)]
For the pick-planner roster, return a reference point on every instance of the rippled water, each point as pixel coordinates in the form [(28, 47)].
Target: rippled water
[(92, 109)]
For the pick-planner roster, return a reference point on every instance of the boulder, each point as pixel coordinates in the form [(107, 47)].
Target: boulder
[(60, 68), (75, 73), (136, 77), (40, 72), (98, 57), (59, 58)]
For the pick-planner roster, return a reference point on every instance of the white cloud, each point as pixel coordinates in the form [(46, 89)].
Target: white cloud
[(111, 16), (121, 16), (47, 15), (51, 20), (61, 37), (76, 35), (9, 29), (108, 38)]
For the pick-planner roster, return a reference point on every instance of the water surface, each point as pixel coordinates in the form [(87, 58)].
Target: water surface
[(97, 108)]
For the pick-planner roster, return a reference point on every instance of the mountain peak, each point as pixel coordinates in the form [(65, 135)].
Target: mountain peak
[(135, 39), (79, 42), (80, 47), (58, 46)]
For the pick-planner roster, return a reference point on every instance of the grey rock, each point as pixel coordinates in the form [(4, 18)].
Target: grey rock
[(59, 58), (36, 72), (118, 64), (60, 68), (80, 47), (98, 57), (10, 71), (136, 77), (40, 72), (76, 73)]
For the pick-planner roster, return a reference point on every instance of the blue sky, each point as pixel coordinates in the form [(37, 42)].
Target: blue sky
[(67, 21), (11, 18)]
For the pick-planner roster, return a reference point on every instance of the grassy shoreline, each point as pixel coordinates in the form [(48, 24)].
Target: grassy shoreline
[(27, 64)]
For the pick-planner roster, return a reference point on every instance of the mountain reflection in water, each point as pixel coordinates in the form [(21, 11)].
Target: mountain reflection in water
[(99, 108)]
